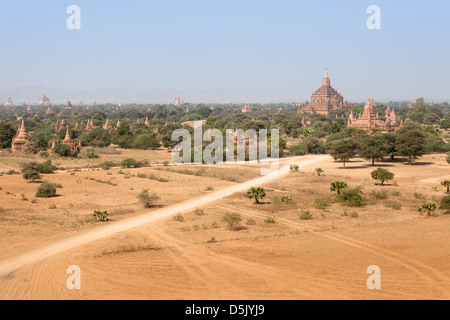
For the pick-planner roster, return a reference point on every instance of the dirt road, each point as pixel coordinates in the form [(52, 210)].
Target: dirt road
[(13, 264)]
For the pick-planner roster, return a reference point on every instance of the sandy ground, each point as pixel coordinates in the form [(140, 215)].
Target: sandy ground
[(325, 258)]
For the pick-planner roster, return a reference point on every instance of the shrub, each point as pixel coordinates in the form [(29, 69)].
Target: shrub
[(91, 154), (32, 175), (147, 199), (232, 219), (270, 220), (129, 163), (179, 218), (199, 212), (351, 197), (107, 165), (354, 215), (44, 154), (393, 205), (101, 216), (446, 184), (250, 222), (306, 215), (287, 199), (380, 195), (64, 151), (166, 163), (445, 204), (321, 203), (46, 190), (212, 240), (295, 167), (319, 171), (419, 196)]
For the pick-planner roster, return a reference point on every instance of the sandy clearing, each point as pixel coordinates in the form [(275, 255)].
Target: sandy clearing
[(13, 264)]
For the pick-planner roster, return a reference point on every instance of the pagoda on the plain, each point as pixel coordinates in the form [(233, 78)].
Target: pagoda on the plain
[(21, 139), (325, 99)]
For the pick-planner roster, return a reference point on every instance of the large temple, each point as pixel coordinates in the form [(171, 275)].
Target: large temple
[(325, 99), (370, 120)]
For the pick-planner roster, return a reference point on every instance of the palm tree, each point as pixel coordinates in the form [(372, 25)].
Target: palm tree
[(446, 184), (338, 186)]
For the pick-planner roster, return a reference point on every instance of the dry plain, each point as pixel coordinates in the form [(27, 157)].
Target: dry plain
[(199, 258)]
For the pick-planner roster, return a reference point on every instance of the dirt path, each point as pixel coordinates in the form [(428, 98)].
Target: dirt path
[(13, 264)]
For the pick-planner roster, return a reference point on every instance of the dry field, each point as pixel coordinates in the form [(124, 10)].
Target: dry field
[(197, 257)]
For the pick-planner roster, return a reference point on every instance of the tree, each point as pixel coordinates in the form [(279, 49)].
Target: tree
[(257, 194), (146, 142), (147, 199), (338, 186), (382, 175), (343, 150), (428, 208), (232, 219), (7, 133), (411, 143), (319, 171), (446, 184), (445, 124), (373, 148)]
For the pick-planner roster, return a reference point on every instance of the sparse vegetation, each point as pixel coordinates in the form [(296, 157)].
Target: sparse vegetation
[(351, 197), (146, 199), (319, 171), (232, 220), (270, 220), (379, 195), (178, 218), (306, 215), (101, 216)]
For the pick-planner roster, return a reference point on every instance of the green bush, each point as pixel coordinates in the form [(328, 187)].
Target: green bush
[(351, 197), (129, 163), (445, 204), (179, 218), (306, 215), (270, 220), (107, 165), (46, 190), (232, 220), (64, 151), (32, 175), (379, 195), (91, 154), (146, 199)]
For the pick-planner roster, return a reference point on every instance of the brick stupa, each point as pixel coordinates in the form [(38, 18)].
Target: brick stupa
[(21, 139)]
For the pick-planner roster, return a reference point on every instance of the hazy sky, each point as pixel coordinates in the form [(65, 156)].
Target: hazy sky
[(223, 50)]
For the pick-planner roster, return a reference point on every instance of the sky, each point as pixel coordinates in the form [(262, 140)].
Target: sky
[(223, 51)]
